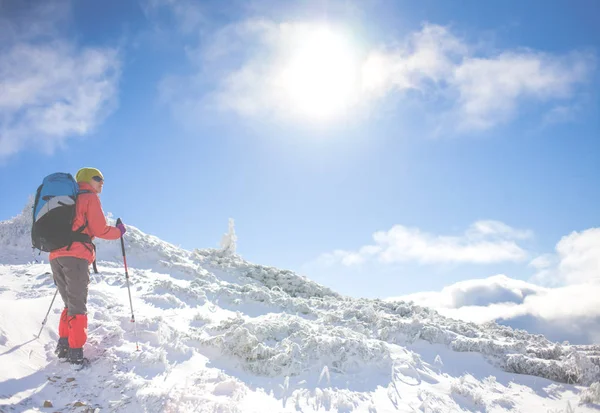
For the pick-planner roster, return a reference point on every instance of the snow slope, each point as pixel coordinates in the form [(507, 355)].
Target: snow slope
[(219, 334)]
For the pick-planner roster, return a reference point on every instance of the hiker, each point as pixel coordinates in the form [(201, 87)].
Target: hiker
[(70, 264)]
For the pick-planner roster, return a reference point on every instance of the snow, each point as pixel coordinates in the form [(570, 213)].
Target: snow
[(219, 334), (229, 240)]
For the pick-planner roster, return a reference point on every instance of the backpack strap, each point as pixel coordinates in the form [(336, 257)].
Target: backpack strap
[(86, 240), (79, 236)]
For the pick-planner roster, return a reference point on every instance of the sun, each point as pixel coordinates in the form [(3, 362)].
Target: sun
[(320, 77)]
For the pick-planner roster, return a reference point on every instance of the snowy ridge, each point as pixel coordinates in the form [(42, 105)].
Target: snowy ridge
[(218, 333), (15, 237), (273, 278)]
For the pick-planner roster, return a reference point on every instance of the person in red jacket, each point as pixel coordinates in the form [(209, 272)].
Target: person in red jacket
[(70, 265)]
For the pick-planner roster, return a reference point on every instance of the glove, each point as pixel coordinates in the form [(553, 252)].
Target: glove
[(121, 228)]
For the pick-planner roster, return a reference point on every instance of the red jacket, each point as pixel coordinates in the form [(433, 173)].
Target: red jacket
[(88, 209)]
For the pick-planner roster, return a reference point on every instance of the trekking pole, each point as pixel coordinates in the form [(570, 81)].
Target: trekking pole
[(46, 318), (137, 348)]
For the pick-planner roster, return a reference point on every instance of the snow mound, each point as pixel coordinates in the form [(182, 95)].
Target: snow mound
[(284, 345), (591, 395)]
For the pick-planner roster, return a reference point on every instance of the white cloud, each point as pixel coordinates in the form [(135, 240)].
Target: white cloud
[(479, 292), (579, 255), (576, 260), (484, 90), (477, 90), (491, 89), (542, 262), (51, 90), (564, 313), (497, 228), (428, 57), (484, 242)]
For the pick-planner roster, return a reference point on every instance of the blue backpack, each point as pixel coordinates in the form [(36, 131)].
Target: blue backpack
[(54, 212)]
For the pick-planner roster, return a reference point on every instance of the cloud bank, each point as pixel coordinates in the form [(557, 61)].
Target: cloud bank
[(567, 310), (50, 89)]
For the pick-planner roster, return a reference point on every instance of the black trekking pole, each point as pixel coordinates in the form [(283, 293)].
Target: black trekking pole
[(128, 289), (46, 318)]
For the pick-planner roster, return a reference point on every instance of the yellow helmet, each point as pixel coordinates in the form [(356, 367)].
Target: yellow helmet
[(86, 174)]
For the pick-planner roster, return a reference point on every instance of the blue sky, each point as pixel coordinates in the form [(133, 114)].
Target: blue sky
[(464, 135)]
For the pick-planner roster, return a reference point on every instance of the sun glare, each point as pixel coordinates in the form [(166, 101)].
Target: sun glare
[(320, 76)]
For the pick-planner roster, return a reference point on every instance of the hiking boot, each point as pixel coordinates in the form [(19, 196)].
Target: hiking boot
[(76, 356), (62, 348)]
